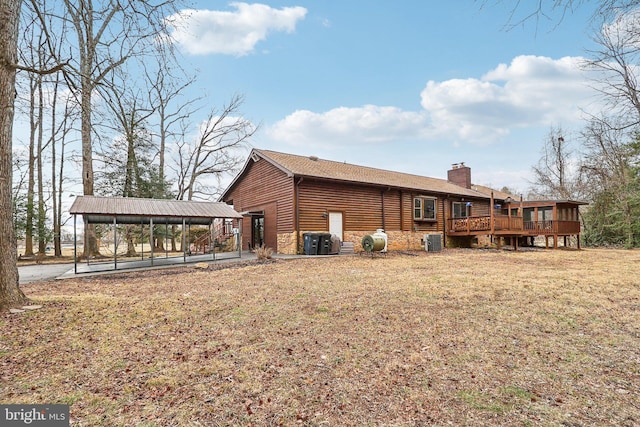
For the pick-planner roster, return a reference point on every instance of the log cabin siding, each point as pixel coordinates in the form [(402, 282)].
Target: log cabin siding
[(480, 208), (392, 210), (361, 205), (269, 189)]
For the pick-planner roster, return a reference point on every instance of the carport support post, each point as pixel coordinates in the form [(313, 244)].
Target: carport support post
[(151, 238), (212, 242), (75, 246), (86, 225), (184, 249), (115, 243)]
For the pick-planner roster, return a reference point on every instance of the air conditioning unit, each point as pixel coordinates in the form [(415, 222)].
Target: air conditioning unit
[(432, 242)]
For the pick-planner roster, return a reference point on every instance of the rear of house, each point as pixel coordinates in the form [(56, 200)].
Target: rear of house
[(284, 196)]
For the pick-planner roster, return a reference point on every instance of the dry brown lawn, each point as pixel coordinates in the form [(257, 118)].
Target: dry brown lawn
[(464, 337)]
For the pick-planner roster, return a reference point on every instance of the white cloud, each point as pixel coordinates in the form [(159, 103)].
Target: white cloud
[(203, 32), (530, 92), (367, 124)]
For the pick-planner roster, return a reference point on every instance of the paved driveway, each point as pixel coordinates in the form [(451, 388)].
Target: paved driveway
[(35, 273)]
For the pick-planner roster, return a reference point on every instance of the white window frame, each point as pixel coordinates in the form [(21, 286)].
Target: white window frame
[(462, 208), (419, 204)]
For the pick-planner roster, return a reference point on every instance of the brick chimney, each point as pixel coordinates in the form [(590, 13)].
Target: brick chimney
[(460, 175)]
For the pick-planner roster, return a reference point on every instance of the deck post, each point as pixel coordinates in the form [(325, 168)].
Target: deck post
[(491, 212)]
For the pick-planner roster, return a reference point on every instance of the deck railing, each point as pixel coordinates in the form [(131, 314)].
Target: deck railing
[(516, 224), (552, 227)]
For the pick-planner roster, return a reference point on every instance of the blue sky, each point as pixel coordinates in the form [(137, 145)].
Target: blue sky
[(412, 86)]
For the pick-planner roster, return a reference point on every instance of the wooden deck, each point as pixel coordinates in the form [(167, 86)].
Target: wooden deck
[(511, 226)]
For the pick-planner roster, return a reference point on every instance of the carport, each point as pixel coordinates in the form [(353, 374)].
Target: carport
[(117, 211)]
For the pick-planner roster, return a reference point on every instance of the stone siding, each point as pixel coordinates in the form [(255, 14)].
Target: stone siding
[(287, 243), (396, 240)]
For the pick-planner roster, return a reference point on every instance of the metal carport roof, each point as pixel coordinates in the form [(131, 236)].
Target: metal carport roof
[(131, 210)]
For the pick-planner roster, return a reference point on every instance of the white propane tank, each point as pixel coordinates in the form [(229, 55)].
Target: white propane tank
[(380, 232)]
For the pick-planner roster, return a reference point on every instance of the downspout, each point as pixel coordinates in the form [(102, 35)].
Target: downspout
[(296, 189)]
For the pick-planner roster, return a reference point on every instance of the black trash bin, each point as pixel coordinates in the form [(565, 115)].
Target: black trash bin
[(311, 242), (324, 244)]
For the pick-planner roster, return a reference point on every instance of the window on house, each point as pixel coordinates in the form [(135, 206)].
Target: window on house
[(545, 214), (424, 208), (460, 209)]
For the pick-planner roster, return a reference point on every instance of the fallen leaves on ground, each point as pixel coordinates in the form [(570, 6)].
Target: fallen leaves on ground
[(463, 337)]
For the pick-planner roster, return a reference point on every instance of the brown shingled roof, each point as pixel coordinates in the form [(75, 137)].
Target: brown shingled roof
[(499, 195), (133, 210), (338, 171)]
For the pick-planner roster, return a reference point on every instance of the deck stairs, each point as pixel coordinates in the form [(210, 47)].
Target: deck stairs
[(206, 243)]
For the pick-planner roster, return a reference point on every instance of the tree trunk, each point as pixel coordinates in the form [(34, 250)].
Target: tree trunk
[(90, 239), (42, 242), (33, 124), (130, 235), (10, 293)]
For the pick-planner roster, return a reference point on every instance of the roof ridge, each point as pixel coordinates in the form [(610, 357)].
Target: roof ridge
[(313, 166)]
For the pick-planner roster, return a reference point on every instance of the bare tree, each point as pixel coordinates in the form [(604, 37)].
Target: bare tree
[(166, 92), (556, 176), (615, 65), (108, 34), (58, 142), (216, 151), (10, 293), (555, 11), (127, 159), (173, 112)]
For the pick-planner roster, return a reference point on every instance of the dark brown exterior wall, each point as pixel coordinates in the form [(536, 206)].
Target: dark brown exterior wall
[(362, 207), (265, 187)]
